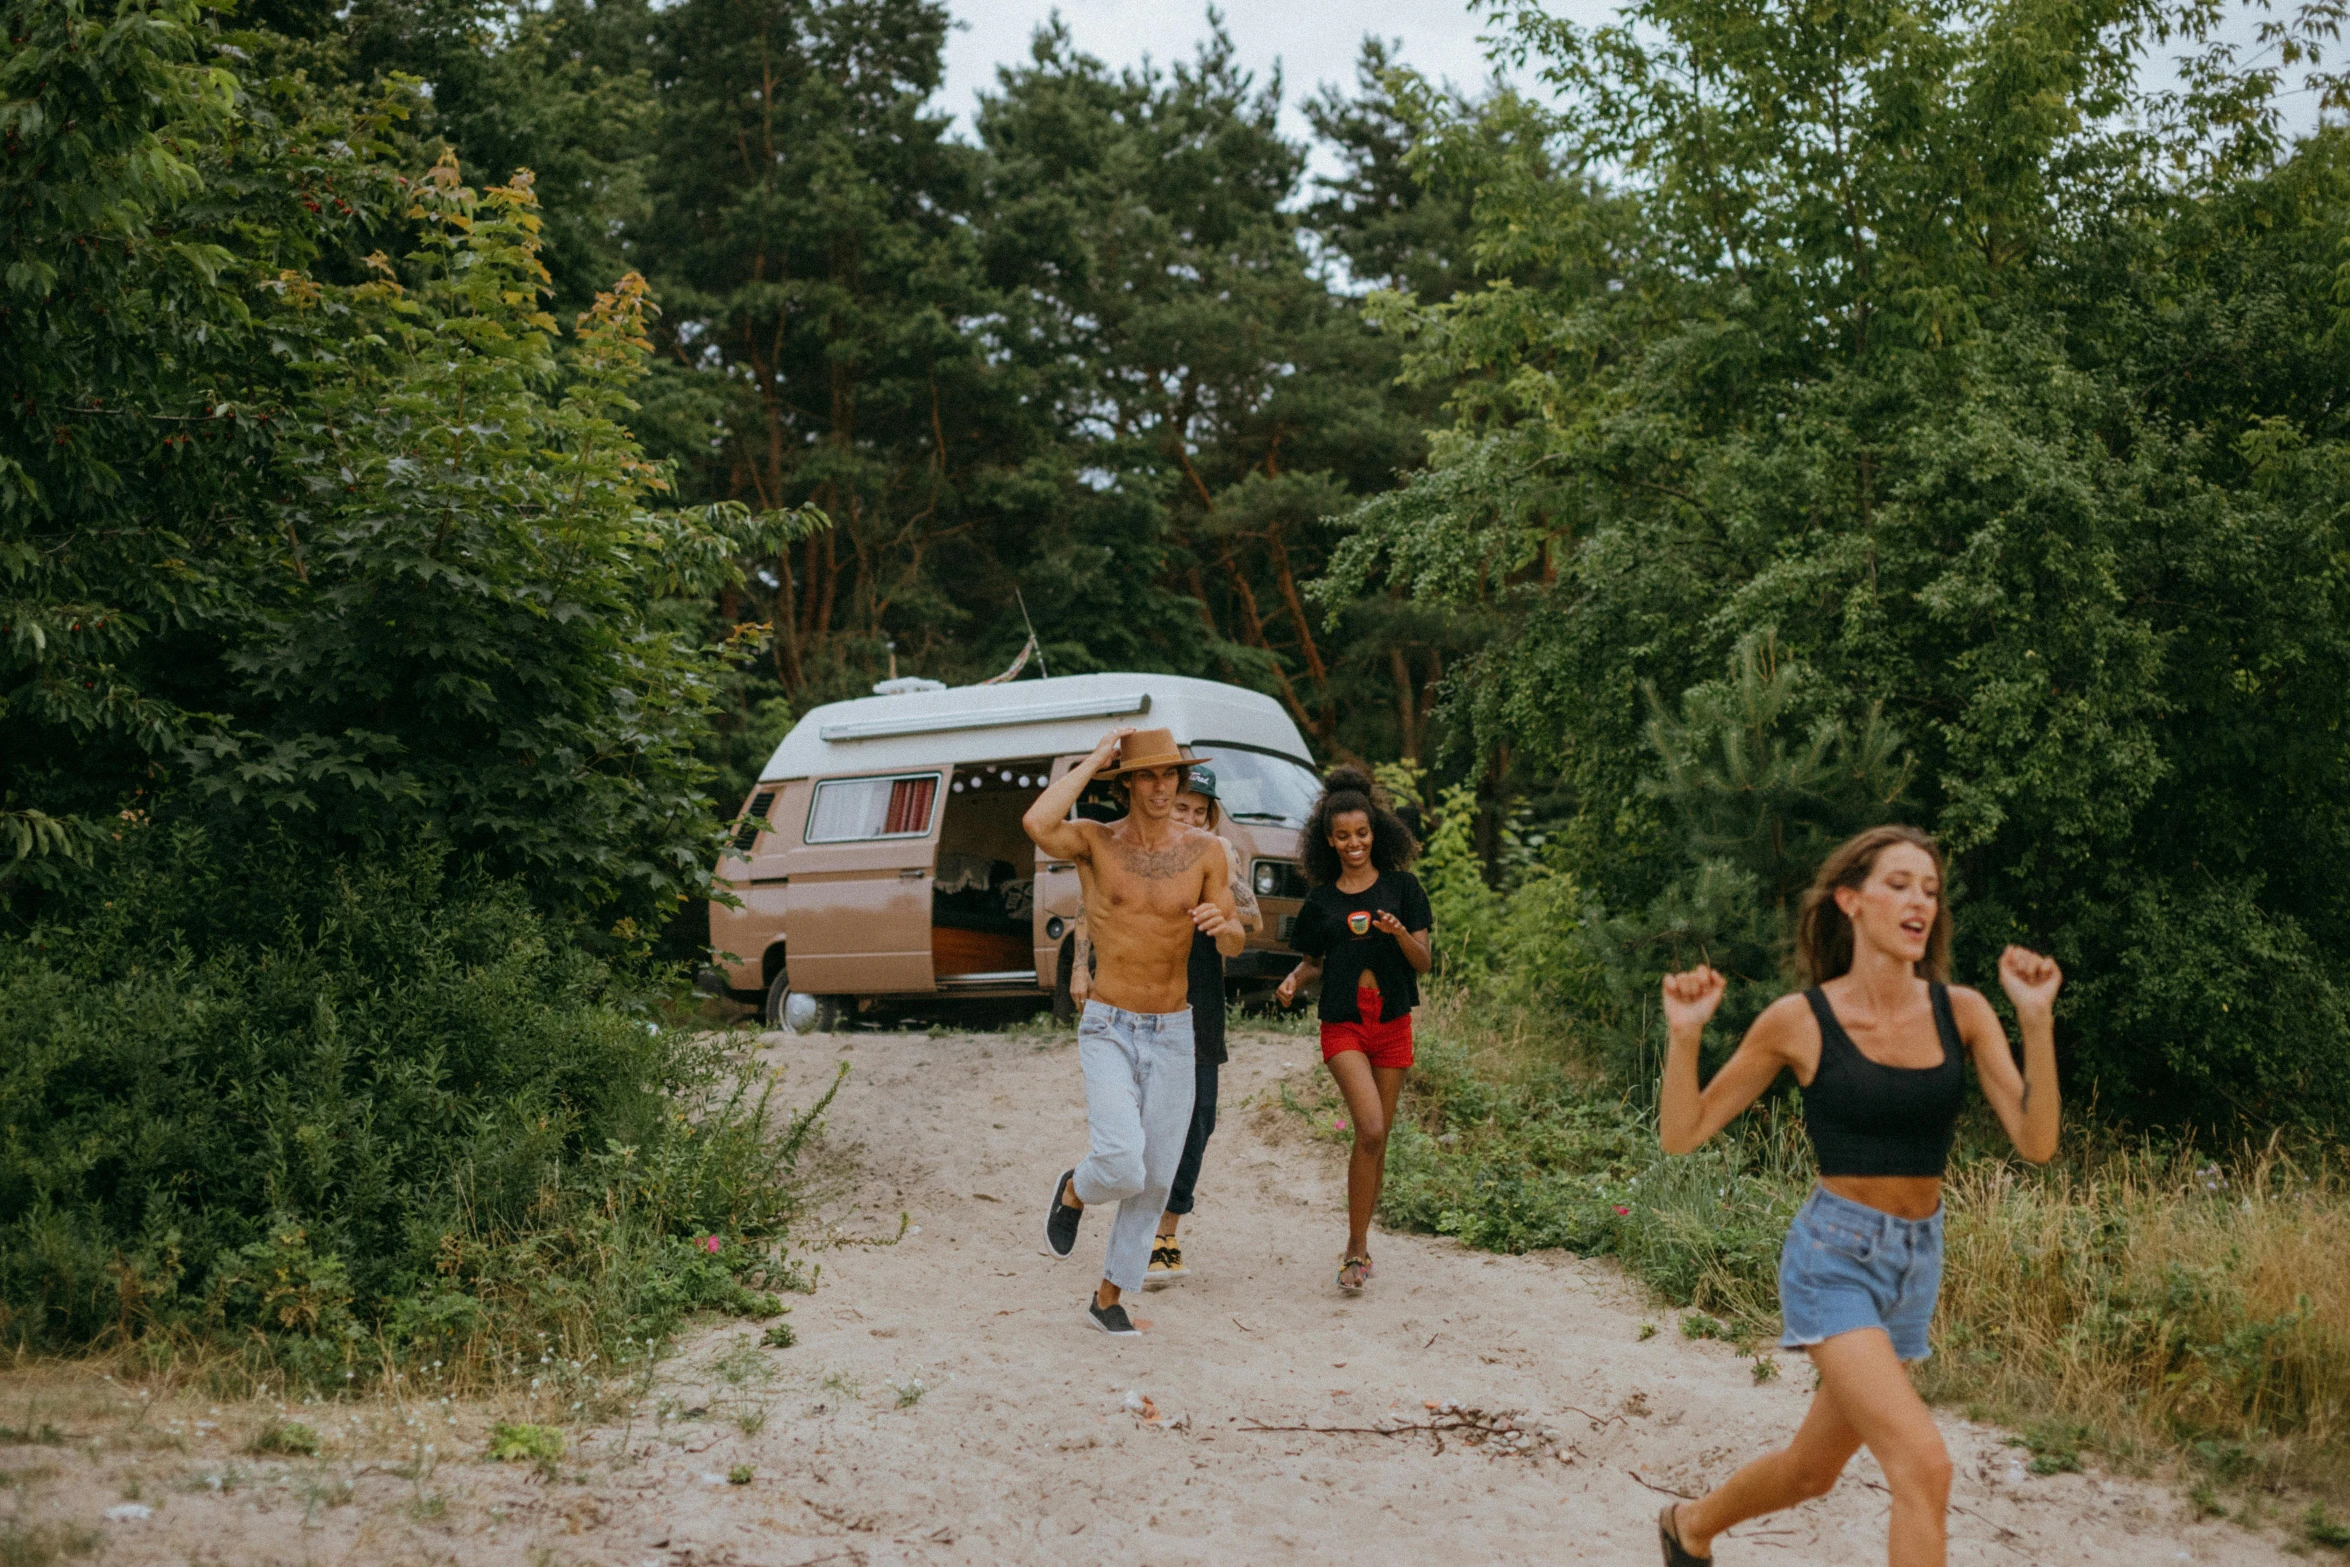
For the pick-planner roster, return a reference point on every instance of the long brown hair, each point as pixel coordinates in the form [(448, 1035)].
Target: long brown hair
[(1823, 936)]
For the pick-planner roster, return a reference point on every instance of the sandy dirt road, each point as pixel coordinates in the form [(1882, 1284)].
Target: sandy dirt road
[(947, 1401)]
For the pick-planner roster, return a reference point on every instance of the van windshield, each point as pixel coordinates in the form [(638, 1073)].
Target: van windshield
[(1257, 786)]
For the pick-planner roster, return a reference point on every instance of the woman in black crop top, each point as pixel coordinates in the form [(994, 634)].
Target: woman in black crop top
[(1879, 1044)]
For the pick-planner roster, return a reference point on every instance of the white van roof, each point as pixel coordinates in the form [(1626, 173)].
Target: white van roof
[(1025, 718)]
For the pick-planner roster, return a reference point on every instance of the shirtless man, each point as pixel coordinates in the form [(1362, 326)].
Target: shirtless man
[(1150, 882)]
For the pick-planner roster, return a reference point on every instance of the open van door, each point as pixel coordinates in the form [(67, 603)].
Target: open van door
[(858, 920)]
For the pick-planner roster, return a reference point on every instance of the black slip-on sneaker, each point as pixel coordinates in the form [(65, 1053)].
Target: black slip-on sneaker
[(1060, 1221), (1111, 1319), (1668, 1535)]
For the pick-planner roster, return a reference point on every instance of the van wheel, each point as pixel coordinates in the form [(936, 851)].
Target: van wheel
[(797, 1012), (1064, 1004)]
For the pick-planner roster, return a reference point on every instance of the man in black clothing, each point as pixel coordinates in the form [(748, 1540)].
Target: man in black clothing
[(1198, 806)]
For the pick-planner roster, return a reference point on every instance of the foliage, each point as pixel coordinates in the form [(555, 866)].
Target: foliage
[(1466, 909), (371, 560), (807, 225), (511, 1442), (460, 648), (149, 201), (358, 1117), (1742, 788), (1526, 944), (1915, 348), (560, 88)]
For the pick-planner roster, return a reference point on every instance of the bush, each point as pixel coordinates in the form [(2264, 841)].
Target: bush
[(341, 1117)]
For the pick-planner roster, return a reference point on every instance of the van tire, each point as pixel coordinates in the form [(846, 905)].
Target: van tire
[(822, 1017)]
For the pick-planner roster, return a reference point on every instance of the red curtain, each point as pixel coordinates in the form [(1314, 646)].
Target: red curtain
[(909, 805)]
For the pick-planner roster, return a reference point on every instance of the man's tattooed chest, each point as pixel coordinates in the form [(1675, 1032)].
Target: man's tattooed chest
[(1158, 864)]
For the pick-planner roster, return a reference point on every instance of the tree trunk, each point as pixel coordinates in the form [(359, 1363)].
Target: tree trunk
[(1407, 700), (1253, 625), (1315, 670)]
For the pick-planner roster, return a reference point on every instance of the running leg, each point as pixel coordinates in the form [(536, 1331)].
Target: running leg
[(1872, 1389), (1370, 1105), (1804, 1468)]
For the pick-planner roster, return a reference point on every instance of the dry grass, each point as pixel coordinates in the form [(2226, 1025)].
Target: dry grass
[(2157, 1303)]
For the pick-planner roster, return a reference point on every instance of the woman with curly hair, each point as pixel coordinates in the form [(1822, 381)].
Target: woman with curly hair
[(1364, 934), (1879, 1044)]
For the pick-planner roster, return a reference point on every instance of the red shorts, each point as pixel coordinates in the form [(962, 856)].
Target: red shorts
[(1382, 1042)]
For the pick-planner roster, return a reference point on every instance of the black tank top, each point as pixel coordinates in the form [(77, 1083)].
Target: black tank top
[(1869, 1119), (1206, 976)]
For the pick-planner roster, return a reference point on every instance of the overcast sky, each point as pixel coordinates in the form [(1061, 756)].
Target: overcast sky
[(1315, 41)]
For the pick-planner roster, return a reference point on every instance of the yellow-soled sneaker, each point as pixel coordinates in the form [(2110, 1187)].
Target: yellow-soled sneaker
[(1166, 1265)]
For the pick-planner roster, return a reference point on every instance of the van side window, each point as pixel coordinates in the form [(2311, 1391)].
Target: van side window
[(848, 809)]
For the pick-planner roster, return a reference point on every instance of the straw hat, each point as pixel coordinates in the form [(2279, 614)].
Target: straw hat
[(1150, 748)]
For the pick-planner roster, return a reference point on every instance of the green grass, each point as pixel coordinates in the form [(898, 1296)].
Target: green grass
[(38, 1545), (287, 1437), (2319, 1527), (516, 1442)]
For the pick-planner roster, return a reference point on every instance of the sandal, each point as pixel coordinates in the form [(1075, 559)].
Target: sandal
[(1360, 1270), (1668, 1534)]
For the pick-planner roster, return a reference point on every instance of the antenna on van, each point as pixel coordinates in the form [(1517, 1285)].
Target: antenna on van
[(1032, 642)]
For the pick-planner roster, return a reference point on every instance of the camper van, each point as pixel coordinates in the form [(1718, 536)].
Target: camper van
[(881, 858)]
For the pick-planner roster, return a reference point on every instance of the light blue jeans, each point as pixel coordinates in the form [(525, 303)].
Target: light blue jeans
[(1138, 1092)]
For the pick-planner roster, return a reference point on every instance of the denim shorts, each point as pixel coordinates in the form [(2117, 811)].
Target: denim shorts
[(1847, 1265)]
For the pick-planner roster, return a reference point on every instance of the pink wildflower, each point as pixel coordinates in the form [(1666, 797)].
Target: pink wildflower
[(711, 1243), (1623, 1212)]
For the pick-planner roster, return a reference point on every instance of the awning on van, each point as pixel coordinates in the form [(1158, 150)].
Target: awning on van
[(1112, 706)]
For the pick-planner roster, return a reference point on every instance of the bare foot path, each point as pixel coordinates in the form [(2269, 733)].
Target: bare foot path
[(948, 1402)]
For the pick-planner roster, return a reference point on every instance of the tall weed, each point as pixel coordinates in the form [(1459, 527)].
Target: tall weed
[(2163, 1299)]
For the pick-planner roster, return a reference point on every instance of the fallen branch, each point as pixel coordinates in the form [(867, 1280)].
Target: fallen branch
[(1597, 1424), (1661, 1490), (1474, 1427), (1399, 1430)]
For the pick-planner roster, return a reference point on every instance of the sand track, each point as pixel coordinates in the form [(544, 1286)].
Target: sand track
[(948, 1403)]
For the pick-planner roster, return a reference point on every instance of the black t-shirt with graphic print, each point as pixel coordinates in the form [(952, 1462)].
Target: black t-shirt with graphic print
[(1321, 932)]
